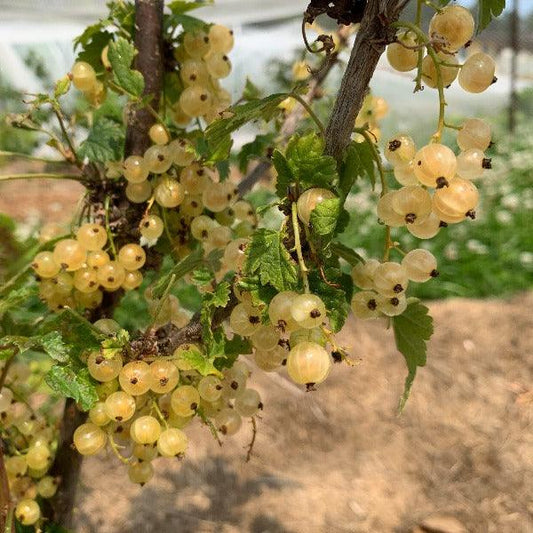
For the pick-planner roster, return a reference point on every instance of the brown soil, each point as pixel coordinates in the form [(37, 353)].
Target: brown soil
[(340, 459)]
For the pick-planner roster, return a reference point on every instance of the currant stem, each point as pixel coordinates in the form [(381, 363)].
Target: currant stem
[(431, 52), (312, 114), (298, 246), (114, 447), (108, 228), (42, 176), (377, 158)]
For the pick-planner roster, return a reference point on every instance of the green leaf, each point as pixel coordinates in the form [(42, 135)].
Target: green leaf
[(77, 333), (260, 293), (188, 23), (254, 149), (412, 329), (115, 344), (267, 255), (53, 344), (325, 215), (88, 34), (16, 297), (488, 10), (221, 152), (178, 7), (335, 294), (232, 349), (309, 166), (346, 253), (251, 91), (92, 51), (62, 86), (104, 143), (285, 175), (358, 162), (199, 361), (213, 340), (193, 261), (121, 54), (73, 381), (217, 132)]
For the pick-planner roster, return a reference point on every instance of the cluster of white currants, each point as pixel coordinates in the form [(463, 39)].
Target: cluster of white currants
[(384, 285), (144, 406), (435, 166), (293, 335), (450, 29), (203, 61), (77, 270), (30, 441)]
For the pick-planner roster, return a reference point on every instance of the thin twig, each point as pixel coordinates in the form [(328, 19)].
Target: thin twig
[(252, 442), (298, 246)]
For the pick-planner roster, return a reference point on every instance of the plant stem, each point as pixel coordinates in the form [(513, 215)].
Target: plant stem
[(149, 61), (376, 30), (59, 115), (108, 228), (43, 176), (436, 61), (298, 246), (312, 114), (30, 157), (377, 158)]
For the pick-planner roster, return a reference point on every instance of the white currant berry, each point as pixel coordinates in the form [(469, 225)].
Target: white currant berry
[(420, 265), (308, 363), (390, 279), (434, 165)]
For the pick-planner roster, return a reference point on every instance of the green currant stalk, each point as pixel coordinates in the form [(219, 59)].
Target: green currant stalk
[(210, 425), (115, 447), (312, 114), (440, 86), (159, 414), (298, 246), (108, 228)]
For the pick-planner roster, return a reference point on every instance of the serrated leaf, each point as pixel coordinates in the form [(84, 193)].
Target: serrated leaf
[(267, 255), (213, 340), (115, 344), (308, 164), (54, 345), (73, 381), (218, 131), (62, 86), (488, 10), (77, 333), (92, 51), (121, 54), (221, 153), (188, 23), (105, 142), (199, 362), (325, 215), (261, 294), (284, 172), (412, 329), (15, 297), (88, 34)]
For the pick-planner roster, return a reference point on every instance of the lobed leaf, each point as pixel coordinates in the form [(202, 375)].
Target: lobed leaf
[(267, 255), (412, 329), (121, 54)]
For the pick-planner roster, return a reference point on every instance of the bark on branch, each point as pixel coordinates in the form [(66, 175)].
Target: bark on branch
[(373, 35), (149, 61)]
